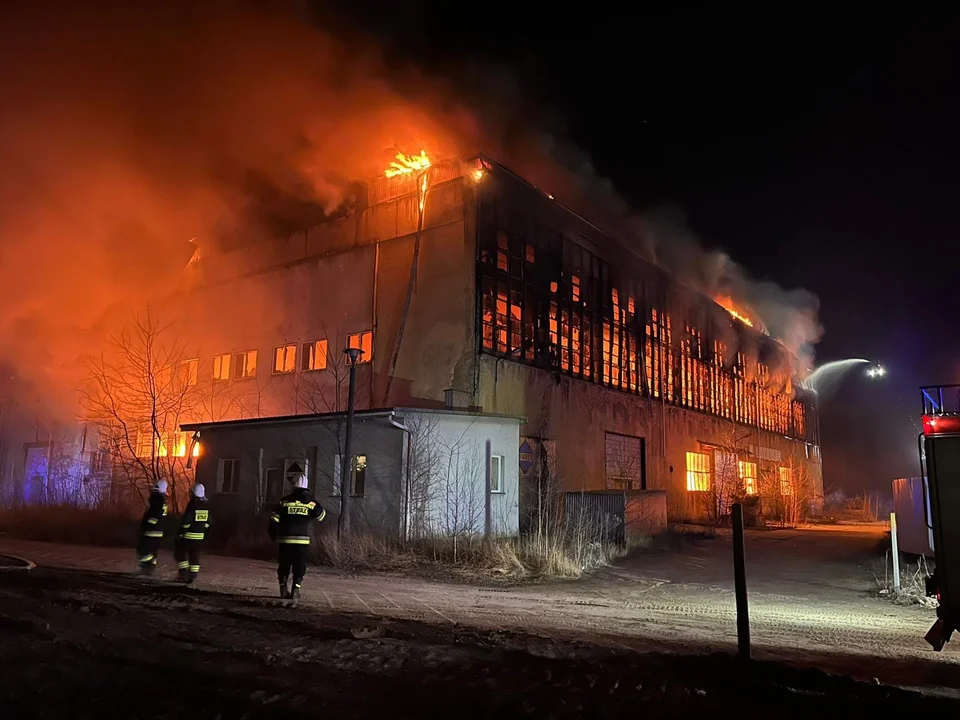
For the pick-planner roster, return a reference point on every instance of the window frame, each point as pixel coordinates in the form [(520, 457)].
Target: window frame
[(365, 356), (304, 354), (222, 464), (748, 487), (229, 376), (357, 473), (699, 473), (785, 476), (497, 461), (276, 356), (236, 366)]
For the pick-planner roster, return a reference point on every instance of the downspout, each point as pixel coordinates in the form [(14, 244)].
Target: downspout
[(405, 530), (373, 339)]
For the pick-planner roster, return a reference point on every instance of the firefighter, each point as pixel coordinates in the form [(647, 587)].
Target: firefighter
[(151, 528), (193, 529), (290, 526)]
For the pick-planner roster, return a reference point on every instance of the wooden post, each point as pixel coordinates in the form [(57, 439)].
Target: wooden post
[(740, 584), (487, 509)]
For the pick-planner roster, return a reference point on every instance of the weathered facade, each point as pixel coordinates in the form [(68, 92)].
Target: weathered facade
[(483, 285)]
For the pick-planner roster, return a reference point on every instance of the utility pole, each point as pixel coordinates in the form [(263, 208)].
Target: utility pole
[(346, 465)]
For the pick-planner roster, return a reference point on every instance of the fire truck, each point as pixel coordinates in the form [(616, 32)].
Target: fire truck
[(940, 464)]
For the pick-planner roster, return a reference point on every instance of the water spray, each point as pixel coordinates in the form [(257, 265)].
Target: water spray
[(825, 379)]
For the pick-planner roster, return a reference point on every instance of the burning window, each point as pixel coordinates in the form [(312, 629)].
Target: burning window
[(314, 355), (748, 476), (245, 364), (284, 359), (364, 341), (228, 475), (786, 480), (187, 372), (221, 367), (698, 472)]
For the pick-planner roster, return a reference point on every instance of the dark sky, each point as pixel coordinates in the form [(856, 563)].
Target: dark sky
[(819, 151)]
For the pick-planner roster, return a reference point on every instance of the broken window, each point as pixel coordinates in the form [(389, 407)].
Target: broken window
[(359, 475), (284, 359), (748, 476), (314, 355), (364, 341), (221, 367), (228, 475), (786, 480), (698, 472), (245, 364), (187, 372), (624, 462)]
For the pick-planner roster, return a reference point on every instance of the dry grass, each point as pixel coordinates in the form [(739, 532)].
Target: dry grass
[(912, 584), (513, 558)]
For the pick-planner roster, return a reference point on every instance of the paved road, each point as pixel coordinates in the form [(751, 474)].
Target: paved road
[(811, 601)]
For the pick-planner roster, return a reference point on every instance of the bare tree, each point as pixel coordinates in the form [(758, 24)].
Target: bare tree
[(138, 393)]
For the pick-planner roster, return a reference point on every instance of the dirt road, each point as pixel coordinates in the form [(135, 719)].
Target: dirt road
[(811, 605)]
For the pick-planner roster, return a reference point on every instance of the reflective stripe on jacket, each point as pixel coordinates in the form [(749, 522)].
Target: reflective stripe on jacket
[(293, 518), (151, 524), (196, 520)]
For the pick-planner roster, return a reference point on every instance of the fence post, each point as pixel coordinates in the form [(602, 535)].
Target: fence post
[(487, 509), (740, 584), (895, 552)]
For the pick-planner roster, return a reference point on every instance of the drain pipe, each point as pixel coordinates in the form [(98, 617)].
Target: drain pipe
[(405, 531)]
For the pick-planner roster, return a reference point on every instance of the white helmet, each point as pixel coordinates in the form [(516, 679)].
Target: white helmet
[(198, 491), (301, 481), (161, 487)]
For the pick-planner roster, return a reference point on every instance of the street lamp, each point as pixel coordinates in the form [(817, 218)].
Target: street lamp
[(346, 473)]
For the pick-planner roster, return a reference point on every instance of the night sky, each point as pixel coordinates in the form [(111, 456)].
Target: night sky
[(819, 152)]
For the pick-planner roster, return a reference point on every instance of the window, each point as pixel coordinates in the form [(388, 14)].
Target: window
[(285, 359), (221, 367), (496, 474), (364, 341), (273, 479), (314, 355), (748, 475), (228, 475), (187, 372), (144, 443), (698, 472), (624, 462), (786, 480), (337, 475), (360, 475), (245, 364)]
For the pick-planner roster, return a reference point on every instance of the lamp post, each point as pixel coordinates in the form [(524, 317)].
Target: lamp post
[(346, 466)]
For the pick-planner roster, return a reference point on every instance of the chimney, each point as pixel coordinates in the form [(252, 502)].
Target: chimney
[(456, 400)]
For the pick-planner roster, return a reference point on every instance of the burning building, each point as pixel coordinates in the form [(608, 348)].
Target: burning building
[(475, 294)]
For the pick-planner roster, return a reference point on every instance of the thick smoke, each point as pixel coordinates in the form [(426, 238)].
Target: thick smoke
[(126, 132)]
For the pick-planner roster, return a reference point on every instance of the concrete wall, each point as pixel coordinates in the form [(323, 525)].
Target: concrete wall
[(379, 507), (448, 470), (576, 415), (449, 475), (347, 276)]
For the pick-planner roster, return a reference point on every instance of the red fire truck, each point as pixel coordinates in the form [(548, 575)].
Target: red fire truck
[(940, 464)]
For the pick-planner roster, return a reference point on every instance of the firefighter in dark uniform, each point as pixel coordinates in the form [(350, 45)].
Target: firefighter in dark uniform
[(193, 529), (151, 528), (290, 526)]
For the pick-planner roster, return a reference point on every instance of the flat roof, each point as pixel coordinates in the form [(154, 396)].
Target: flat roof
[(359, 414)]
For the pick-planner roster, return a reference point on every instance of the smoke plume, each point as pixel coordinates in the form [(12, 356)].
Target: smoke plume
[(127, 129)]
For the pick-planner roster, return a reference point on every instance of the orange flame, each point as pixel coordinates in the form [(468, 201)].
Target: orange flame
[(727, 304), (406, 164), (423, 192)]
